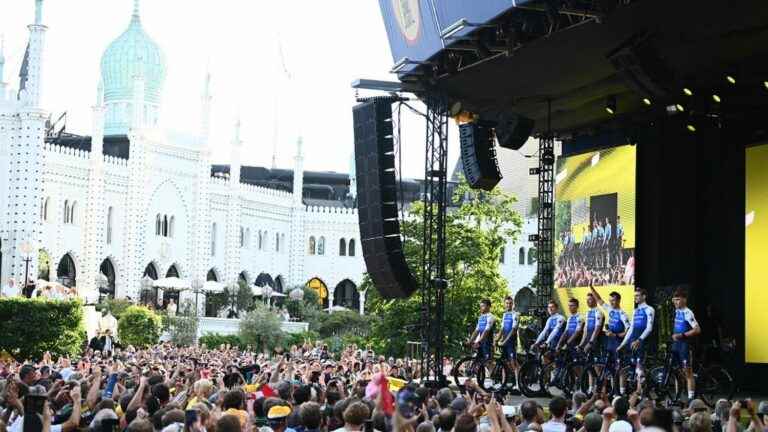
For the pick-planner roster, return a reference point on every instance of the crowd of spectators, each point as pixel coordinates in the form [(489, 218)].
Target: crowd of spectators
[(305, 389)]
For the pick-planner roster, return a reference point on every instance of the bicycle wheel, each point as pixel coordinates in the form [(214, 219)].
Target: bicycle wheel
[(486, 375), (628, 375), (529, 377), (557, 381), (713, 383), (498, 377), (592, 379), (464, 369), (666, 385)]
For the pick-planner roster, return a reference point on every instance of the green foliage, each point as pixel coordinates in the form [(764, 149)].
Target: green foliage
[(475, 234), (30, 327), (298, 339), (217, 301), (215, 340), (116, 306), (243, 295), (307, 309), (261, 328), (183, 327), (139, 327), (342, 323)]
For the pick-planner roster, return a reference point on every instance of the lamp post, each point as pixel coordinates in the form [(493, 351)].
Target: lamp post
[(26, 251), (197, 288), (233, 299)]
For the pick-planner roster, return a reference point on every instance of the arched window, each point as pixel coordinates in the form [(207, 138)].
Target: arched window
[(73, 212), (261, 239), (532, 256), (321, 246), (311, 245), (213, 239), (110, 212), (158, 225), (351, 247), (165, 225), (282, 241), (502, 253), (211, 276), (342, 247), (171, 223), (277, 242), (242, 237), (44, 210), (521, 257), (66, 211)]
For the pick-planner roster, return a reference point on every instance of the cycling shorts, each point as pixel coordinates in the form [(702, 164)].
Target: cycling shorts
[(508, 351), (681, 353)]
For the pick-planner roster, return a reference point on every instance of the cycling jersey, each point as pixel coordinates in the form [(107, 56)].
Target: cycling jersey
[(642, 324), (573, 325), (618, 322), (594, 322), (684, 321), (552, 330), (509, 322), (486, 322)]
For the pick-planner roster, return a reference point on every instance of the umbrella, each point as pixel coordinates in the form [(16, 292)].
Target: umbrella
[(171, 282), (213, 286)]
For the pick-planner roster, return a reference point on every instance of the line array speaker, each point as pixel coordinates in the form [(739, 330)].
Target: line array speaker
[(478, 156), (377, 199)]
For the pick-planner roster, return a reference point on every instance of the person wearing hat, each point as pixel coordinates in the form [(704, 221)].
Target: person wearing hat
[(277, 418)]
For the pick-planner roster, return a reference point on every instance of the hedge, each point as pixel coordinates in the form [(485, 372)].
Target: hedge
[(30, 327), (139, 327), (215, 340)]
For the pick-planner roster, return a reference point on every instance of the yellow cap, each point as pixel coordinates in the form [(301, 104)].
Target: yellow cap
[(278, 411)]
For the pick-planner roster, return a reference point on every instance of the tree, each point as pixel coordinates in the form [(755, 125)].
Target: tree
[(475, 234), (261, 328), (139, 327), (183, 327), (242, 295)]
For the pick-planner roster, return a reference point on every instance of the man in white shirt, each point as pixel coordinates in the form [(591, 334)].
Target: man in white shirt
[(558, 406)]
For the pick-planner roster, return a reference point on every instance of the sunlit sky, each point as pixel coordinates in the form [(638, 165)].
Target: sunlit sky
[(325, 45)]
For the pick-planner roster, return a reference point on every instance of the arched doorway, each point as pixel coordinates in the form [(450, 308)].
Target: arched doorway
[(264, 279), (66, 272), (524, 300), (107, 269), (151, 271), (321, 289), (242, 278), (346, 295), (172, 272), (43, 265), (279, 284), (211, 276), (148, 295)]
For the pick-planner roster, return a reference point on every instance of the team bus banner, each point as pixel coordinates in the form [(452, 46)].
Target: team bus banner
[(756, 255), (595, 224)]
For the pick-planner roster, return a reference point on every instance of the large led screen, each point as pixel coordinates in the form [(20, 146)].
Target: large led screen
[(595, 225), (756, 255)]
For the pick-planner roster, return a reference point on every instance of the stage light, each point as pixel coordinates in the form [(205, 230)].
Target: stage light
[(610, 105), (716, 98), (679, 107), (647, 101), (730, 79), (690, 127), (687, 91), (765, 83)]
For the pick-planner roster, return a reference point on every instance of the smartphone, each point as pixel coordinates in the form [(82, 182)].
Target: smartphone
[(190, 417)]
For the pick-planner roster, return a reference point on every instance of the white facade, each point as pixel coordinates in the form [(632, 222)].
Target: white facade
[(158, 207)]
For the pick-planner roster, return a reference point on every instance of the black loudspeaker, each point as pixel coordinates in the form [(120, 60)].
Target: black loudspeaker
[(513, 130), (638, 63), (377, 199), (478, 156)]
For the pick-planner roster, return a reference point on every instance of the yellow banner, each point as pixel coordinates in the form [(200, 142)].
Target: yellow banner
[(756, 255)]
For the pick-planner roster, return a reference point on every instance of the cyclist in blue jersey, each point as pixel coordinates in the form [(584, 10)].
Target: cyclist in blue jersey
[(684, 328), (573, 326), (507, 337), (482, 337), (642, 325), (616, 327), (593, 325), (553, 329)]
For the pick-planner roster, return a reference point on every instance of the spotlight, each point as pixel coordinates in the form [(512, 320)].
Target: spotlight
[(610, 105), (679, 107), (765, 83), (730, 79), (647, 101), (690, 127), (687, 91), (716, 98)]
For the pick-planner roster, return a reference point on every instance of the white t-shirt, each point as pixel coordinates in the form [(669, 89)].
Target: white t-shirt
[(553, 426), (18, 425), (620, 426), (10, 290)]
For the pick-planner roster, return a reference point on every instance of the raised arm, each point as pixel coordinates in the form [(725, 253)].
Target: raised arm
[(596, 294)]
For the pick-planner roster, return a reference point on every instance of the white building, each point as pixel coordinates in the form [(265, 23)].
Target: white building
[(131, 200)]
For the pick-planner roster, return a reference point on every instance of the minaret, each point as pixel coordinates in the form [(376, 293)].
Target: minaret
[(232, 251), (25, 192), (94, 234), (33, 85), (298, 248), (202, 218)]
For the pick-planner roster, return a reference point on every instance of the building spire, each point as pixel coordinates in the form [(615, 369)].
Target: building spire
[(38, 12), (136, 15)]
